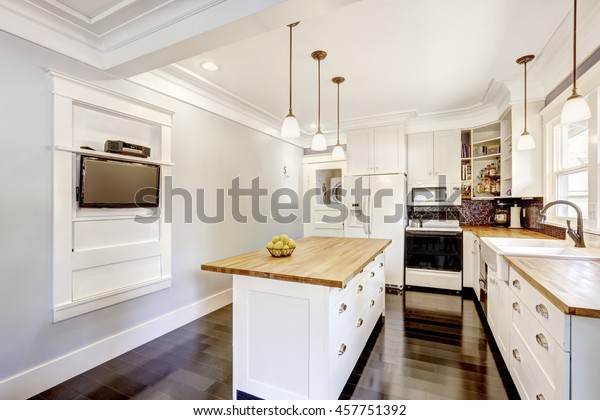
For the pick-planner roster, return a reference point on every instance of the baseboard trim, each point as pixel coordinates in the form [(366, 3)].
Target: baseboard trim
[(33, 381)]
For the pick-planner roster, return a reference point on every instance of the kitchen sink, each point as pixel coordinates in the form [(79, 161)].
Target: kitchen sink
[(493, 251)]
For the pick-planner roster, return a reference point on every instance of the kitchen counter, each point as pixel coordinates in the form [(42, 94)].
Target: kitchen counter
[(573, 286), (500, 232), (323, 261), (300, 323)]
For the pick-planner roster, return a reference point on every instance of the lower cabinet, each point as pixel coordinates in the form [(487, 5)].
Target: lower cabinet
[(470, 271), (539, 339), (550, 354), (497, 316), (302, 341)]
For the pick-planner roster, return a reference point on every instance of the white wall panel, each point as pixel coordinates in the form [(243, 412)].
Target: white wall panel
[(92, 234), (107, 278)]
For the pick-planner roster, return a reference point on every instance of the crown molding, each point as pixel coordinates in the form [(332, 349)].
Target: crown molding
[(395, 118), (28, 22), (185, 86)]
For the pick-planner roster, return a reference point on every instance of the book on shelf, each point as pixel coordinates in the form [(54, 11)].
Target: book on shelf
[(466, 151), (466, 172)]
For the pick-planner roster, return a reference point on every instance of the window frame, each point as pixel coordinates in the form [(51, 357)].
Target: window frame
[(592, 223)]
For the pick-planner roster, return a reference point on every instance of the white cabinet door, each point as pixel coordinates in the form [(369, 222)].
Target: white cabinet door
[(504, 319), (499, 312), (470, 260), (446, 155), (377, 150), (387, 153), (493, 302), (360, 157), (420, 158)]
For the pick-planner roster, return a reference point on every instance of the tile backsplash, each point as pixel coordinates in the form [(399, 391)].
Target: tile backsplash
[(481, 213), (532, 209), (477, 212)]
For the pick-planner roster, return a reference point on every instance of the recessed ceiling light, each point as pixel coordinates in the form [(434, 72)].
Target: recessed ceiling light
[(209, 66)]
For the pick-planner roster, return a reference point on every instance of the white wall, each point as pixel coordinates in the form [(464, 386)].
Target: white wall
[(208, 152)]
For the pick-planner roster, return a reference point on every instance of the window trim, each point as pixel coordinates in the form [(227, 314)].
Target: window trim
[(592, 223)]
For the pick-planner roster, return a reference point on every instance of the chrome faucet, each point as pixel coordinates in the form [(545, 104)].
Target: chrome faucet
[(576, 235)]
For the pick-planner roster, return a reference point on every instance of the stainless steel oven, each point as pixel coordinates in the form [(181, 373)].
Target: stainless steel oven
[(434, 258)]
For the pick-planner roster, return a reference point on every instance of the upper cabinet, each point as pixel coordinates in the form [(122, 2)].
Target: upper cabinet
[(377, 150), (522, 175), (433, 156)]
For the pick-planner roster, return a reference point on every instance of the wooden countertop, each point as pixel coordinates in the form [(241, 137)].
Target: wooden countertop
[(500, 232), (572, 285), (323, 261)]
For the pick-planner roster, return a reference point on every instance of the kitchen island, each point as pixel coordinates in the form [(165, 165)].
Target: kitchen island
[(301, 322)]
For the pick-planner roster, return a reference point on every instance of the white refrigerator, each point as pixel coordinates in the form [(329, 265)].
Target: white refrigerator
[(379, 211)]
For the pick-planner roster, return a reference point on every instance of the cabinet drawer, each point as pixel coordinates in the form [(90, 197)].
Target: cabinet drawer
[(337, 294), (552, 360), (556, 322), (531, 382), (376, 274)]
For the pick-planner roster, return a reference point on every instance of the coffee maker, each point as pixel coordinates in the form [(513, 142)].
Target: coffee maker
[(502, 214)]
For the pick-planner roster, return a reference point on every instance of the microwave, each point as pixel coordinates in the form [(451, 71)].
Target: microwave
[(437, 195)]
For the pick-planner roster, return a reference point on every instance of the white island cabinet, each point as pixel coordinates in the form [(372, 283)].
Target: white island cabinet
[(554, 337), (301, 322)]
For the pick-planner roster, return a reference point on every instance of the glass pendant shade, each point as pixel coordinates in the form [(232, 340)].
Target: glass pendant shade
[(575, 109), (319, 143), (290, 128), (338, 153), (526, 141)]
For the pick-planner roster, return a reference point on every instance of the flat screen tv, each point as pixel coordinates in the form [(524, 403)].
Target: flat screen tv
[(116, 183)]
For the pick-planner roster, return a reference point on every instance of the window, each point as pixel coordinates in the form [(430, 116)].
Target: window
[(572, 168), (571, 151)]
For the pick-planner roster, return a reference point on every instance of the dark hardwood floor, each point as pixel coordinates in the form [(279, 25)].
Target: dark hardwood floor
[(431, 346)]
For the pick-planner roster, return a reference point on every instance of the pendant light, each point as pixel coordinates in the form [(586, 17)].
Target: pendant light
[(576, 108), (290, 128), (526, 141), (338, 150), (319, 143)]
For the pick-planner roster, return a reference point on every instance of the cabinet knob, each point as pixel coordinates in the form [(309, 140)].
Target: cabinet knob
[(540, 397), (380, 289), (516, 307), (359, 322), (542, 310), (359, 288), (342, 308), (541, 340), (380, 264), (372, 274), (371, 303), (517, 284), (341, 349), (516, 355)]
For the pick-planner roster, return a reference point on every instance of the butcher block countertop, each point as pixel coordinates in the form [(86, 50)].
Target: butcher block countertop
[(323, 261), (500, 232), (572, 285)]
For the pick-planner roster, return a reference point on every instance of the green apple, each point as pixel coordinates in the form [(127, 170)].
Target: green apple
[(270, 245)]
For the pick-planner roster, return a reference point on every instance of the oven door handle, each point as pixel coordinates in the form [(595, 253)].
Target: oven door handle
[(432, 233)]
